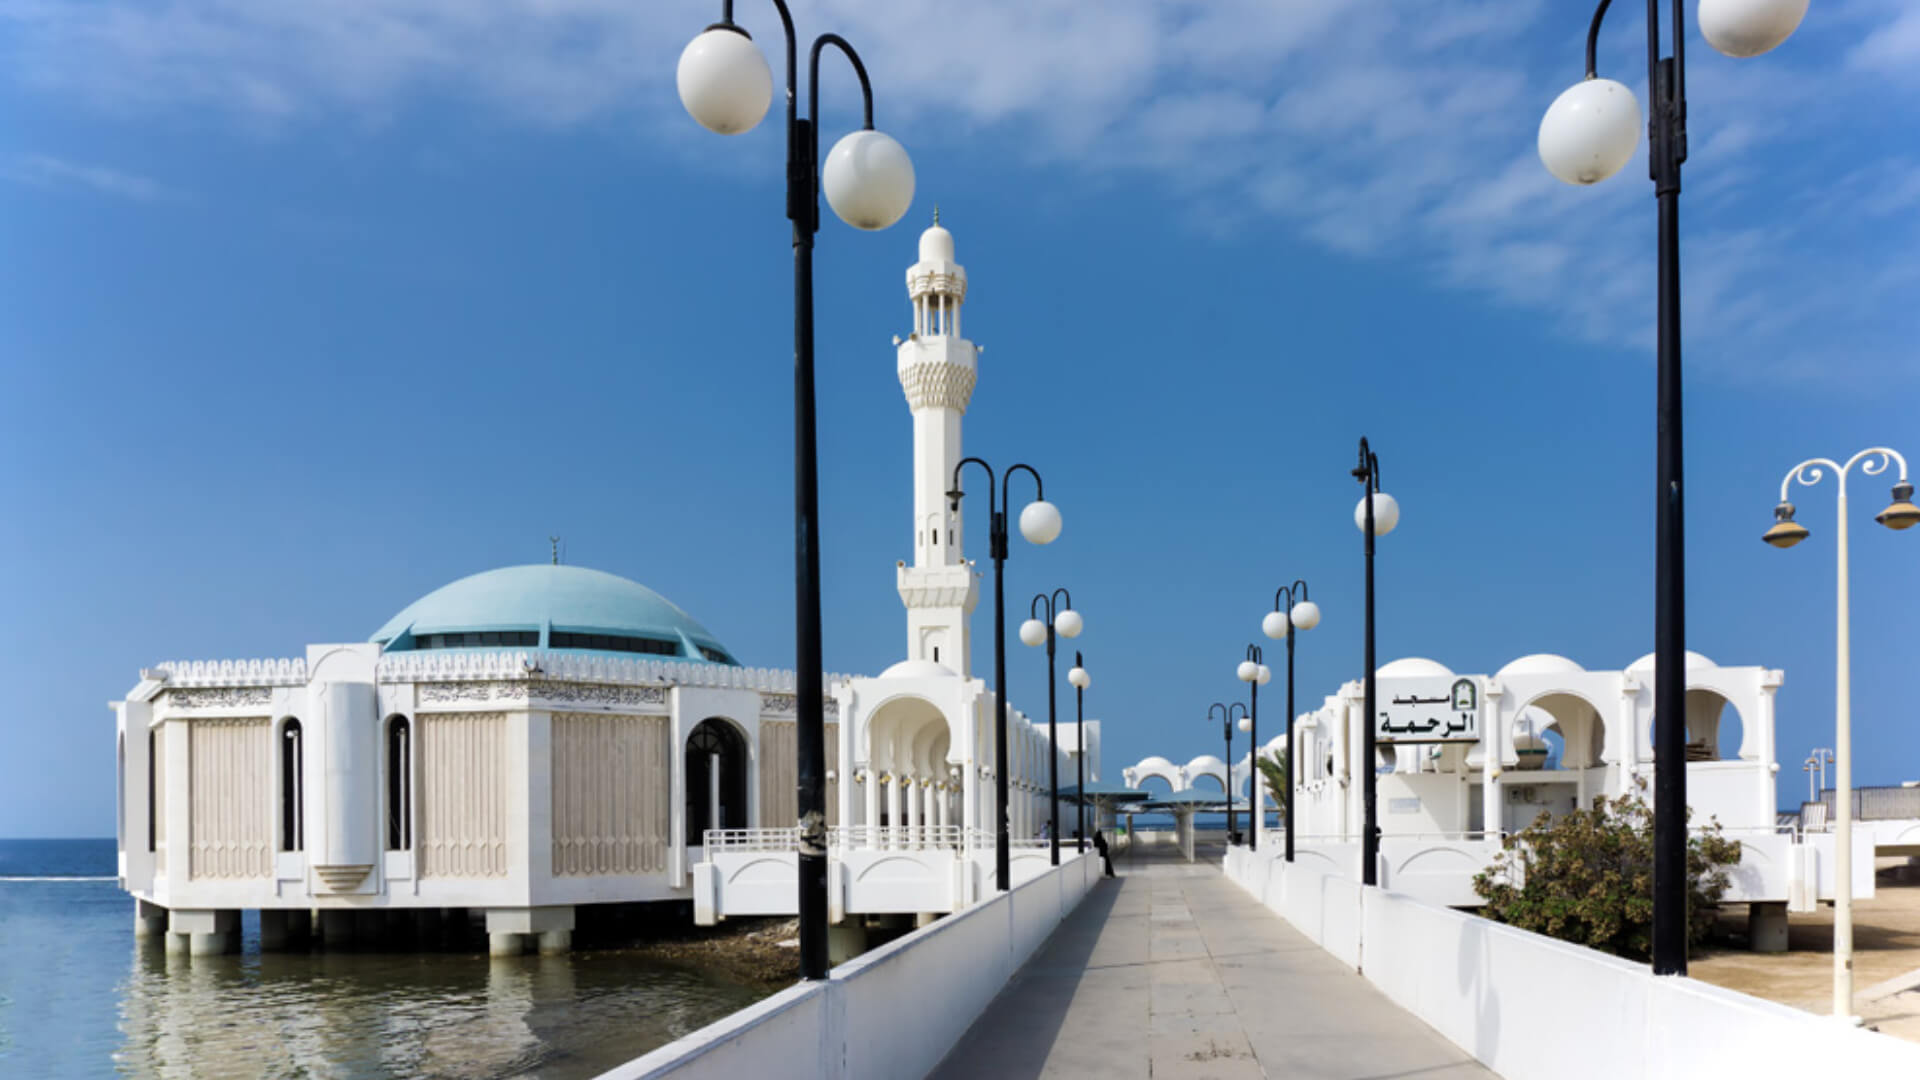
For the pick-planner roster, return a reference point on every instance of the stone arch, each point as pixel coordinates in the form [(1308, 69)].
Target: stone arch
[(1156, 767), (909, 746), (1580, 722), (1710, 736), (397, 754), (290, 742), (717, 764)]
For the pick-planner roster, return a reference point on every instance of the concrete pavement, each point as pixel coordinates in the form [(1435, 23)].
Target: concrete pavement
[(1171, 971)]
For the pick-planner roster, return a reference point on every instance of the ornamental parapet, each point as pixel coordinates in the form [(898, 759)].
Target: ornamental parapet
[(546, 668)]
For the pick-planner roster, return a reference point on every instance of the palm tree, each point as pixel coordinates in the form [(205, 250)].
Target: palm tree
[(1273, 769)]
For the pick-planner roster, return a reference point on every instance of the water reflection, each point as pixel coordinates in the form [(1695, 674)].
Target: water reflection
[(349, 1015)]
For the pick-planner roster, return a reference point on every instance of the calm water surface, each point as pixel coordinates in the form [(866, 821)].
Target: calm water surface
[(80, 998)]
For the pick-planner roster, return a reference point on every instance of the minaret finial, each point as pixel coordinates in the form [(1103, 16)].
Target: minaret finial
[(936, 213), (555, 541)]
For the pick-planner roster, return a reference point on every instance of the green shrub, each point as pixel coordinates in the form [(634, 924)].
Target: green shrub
[(1587, 877)]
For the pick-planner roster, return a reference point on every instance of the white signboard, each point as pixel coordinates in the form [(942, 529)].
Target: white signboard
[(1428, 709)]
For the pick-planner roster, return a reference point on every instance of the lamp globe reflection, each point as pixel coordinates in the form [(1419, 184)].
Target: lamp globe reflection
[(1590, 131), (724, 81), (1749, 27)]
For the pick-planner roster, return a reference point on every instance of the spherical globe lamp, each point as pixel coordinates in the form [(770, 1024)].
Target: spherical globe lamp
[(1079, 678), (1306, 613), (724, 81), (1386, 514), (1247, 671), (1590, 131), (1274, 625), (1069, 623), (1749, 27), (868, 180), (1245, 724), (1040, 522), (1265, 676), (1033, 632)]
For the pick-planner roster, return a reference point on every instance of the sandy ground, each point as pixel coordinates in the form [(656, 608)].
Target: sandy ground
[(1886, 959)]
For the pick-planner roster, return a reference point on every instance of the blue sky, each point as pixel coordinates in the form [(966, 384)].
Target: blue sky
[(308, 309)]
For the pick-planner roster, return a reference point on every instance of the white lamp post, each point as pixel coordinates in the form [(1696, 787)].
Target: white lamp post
[(1785, 533)]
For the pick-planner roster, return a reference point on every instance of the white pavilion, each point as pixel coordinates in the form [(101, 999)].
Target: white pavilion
[(531, 739)]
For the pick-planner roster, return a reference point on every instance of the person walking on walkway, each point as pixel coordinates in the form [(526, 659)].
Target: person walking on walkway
[(1100, 845)]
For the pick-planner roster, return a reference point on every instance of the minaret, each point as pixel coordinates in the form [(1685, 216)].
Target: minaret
[(937, 371)]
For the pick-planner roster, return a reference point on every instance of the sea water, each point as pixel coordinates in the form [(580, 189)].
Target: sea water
[(81, 997)]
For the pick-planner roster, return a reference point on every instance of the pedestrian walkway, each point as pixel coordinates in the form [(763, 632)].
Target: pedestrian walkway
[(1172, 971)]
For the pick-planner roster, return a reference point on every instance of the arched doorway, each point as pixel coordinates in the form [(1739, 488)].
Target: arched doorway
[(716, 779)]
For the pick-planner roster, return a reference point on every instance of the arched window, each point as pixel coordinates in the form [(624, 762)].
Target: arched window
[(716, 780), (399, 785), (153, 796), (292, 812)]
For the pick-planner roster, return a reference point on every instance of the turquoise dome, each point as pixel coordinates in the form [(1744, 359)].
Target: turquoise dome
[(551, 607)]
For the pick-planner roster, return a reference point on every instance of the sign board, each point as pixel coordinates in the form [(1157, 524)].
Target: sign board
[(1429, 709)]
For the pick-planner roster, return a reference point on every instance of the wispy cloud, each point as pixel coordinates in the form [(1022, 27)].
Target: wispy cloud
[(42, 170), (1389, 130)]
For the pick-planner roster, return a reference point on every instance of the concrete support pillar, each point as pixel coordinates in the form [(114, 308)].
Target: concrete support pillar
[(336, 927), (893, 812), (872, 792), (273, 929), (511, 931), (925, 918), (149, 920), (846, 941), (299, 928), (178, 943), (209, 932), (1767, 927), (911, 796)]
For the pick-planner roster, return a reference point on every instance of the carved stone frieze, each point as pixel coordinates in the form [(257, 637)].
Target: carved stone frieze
[(599, 693), (468, 693), (224, 697)]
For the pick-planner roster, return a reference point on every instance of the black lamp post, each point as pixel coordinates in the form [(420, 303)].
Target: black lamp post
[(1033, 632), (1040, 524), (1253, 671), (1298, 613), (1588, 133), (725, 84), (1081, 680), (1377, 514), (1226, 735)]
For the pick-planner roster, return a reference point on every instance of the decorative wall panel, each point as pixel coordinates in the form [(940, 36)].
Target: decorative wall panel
[(778, 776), (229, 788), (612, 777), (463, 795)]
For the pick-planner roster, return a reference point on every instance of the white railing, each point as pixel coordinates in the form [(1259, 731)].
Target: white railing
[(897, 837), (750, 840)]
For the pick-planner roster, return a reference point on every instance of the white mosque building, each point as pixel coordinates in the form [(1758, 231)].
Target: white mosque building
[(1467, 760), (531, 739)]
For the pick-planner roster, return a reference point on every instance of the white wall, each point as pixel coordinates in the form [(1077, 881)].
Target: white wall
[(1532, 1008), (894, 1012)]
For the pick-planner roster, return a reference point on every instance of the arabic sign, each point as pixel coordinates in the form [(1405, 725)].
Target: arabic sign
[(1431, 709)]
